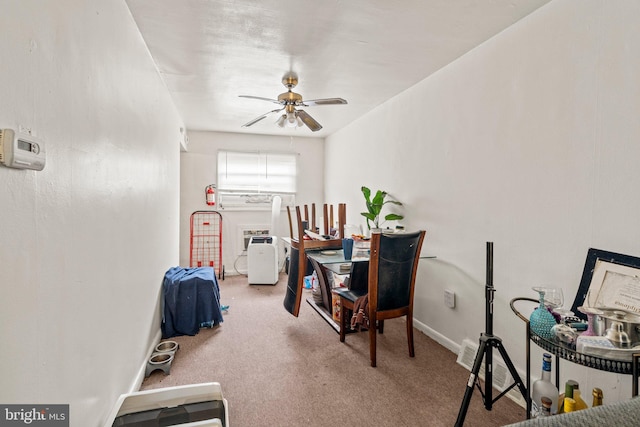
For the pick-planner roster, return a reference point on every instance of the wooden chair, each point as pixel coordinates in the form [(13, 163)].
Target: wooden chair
[(290, 222), (393, 264), (328, 222), (298, 259), (312, 224), (297, 270), (342, 219)]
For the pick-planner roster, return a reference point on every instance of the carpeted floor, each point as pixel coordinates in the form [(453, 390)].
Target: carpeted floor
[(279, 370)]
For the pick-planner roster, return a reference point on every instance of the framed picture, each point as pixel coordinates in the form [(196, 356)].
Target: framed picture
[(609, 280)]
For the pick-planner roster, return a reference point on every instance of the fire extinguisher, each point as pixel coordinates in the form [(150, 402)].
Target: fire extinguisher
[(210, 194)]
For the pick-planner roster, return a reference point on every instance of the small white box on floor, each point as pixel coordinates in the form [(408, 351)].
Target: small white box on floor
[(262, 260), (185, 406)]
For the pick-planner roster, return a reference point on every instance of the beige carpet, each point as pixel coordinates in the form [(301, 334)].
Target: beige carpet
[(279, 370)]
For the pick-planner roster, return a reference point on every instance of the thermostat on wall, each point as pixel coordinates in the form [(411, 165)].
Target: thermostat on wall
[(22, 151)]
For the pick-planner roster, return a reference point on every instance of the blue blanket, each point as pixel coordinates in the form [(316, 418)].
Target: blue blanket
[(191, 298)]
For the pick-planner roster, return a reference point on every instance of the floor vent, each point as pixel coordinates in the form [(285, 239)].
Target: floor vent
[(501, 376)]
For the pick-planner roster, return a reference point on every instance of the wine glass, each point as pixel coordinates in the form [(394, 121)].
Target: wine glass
[(554, 300), (553, 297)]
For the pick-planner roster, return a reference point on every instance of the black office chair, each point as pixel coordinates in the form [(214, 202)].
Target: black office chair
[(393, 264), (358, 280)]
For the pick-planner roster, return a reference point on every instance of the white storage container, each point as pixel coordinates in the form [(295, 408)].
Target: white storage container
[(185, 406)]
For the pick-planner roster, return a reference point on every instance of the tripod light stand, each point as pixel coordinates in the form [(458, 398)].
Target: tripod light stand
[(487, 342)]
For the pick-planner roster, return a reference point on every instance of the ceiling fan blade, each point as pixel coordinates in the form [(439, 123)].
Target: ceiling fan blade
[(326, 101), (275, 101), (309, 121), (264, 116)]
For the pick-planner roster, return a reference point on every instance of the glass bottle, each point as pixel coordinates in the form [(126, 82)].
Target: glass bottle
[(568, 392), (544, 387), (545, 409), (569, 405), (597, 397), (580, 403)]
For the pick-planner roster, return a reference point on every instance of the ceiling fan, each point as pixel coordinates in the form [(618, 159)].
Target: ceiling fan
[(292, 116)]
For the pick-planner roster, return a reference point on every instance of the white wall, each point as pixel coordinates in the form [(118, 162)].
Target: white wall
[(84, 243), (199, 169), (529, 141)]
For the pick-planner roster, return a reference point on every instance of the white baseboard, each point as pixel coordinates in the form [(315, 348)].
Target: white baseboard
[(437, 336)]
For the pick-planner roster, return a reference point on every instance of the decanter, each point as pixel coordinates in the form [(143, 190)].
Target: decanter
[(541, 320)]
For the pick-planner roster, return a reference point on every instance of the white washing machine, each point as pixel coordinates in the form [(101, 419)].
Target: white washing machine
[(262, 260)]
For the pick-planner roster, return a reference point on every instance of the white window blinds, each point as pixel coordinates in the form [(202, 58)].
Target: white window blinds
[(256, 172)]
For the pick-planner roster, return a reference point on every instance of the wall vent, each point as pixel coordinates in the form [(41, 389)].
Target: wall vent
[(501, 376)]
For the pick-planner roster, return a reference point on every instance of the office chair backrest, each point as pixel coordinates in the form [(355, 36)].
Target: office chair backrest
[(359, 276), (394, 260)]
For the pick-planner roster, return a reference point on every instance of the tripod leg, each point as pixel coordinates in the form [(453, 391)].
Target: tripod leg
[(513, 371), (473, 377)]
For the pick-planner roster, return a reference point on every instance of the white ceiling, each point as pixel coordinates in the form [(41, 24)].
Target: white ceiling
[(365, 51)]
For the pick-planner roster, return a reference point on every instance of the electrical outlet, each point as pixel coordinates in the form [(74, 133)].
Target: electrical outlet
[(449, 298)]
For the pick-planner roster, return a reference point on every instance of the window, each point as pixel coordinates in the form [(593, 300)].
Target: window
[(249, 180)]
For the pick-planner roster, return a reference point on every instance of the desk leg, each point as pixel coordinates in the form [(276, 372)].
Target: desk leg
[(323, 283)]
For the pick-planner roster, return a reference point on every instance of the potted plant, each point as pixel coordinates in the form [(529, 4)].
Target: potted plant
[(374, 208)]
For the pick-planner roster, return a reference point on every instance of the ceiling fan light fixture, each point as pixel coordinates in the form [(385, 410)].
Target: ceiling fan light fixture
[(292, 121), (281, 120)]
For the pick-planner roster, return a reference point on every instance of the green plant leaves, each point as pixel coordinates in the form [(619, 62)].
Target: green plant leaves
[(392, 217), (375, 205)]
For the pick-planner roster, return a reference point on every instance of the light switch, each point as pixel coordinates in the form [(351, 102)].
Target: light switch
[(449, 298)]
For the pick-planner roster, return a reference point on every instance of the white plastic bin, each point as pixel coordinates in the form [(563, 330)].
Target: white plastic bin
[(187, 405)]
